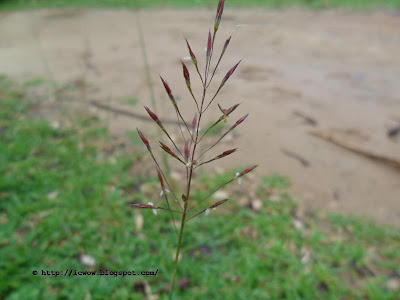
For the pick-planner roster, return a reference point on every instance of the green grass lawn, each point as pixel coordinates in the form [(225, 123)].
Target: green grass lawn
[(355, 4), (62, 196)]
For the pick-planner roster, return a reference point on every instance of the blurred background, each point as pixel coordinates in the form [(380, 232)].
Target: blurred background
[(320, 216)]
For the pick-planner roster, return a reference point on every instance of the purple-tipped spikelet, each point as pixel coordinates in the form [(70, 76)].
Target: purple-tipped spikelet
[(222, 155), (226, 153), (248, 170), (186, 151), (169, 151), (141, 205), (154, 117), (229, 73), (160, 179), (209, 44), (226, 45), (169, 92), (218, 203), (231, 109), (218, 17), (194, 122), (144, 140), (238, 122), (186, 75), (227, 111), (191, 53)]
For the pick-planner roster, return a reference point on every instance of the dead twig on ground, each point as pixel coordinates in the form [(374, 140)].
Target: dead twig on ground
[(392, 132), (302, 160), (308, 119), (389, 161), (127, 113)]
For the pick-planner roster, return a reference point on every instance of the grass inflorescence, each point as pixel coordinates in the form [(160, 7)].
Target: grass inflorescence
[(185, 206), (63, 196)]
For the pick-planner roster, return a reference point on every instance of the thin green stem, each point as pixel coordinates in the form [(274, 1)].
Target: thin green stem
[(220, 87), (194, 98), (170, 210), (211, 127), (224, 135), (184, 122), (179, 125), (178, 249), (190, 169), (212, 193), (172, 141), (166, 180)]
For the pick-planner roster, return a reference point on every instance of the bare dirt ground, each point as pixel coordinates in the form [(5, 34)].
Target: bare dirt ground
[(340, 69)]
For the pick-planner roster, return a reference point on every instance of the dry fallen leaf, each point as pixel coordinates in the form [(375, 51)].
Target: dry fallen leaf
[(305, 255), (393, 284), (138, 222), (52, 195), (256, 204), (221, 194), (298, 224), (87, 260)]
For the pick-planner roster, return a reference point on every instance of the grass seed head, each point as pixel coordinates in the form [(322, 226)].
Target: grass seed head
[(194, 122), (169, 92), (186, 151), (218, 203), (226, 153), (144, 140), (154, 117), (248, 170), (191, 53), (238, 122), (229, 73), (209, 45), (168, 150), (160, 179), (220, 9), (226, 45), (186, 75), (141, 205)]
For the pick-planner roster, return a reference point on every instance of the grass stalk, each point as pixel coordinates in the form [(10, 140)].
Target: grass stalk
[(189, 151)]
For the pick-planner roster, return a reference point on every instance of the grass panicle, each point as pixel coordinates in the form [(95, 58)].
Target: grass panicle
[(189, 150)]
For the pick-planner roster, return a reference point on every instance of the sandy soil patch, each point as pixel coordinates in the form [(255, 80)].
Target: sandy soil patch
[(341, 70)]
